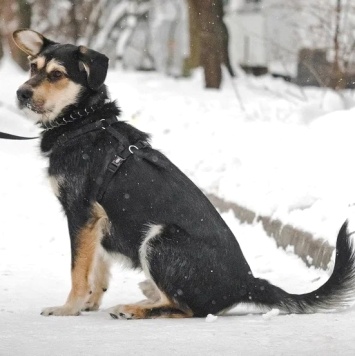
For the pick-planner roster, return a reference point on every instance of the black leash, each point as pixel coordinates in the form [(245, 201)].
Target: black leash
[(7, 136), (62, 120)]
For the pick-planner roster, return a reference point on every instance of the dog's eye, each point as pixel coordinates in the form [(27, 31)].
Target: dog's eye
[(55, 75)]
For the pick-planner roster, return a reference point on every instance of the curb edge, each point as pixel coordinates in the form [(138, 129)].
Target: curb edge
[(314, 252)]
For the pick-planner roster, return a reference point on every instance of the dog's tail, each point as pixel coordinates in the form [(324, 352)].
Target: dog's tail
[(338, 292)]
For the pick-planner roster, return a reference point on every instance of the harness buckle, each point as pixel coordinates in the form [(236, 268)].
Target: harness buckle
[(131, 147), (115, 164), (103, 124)]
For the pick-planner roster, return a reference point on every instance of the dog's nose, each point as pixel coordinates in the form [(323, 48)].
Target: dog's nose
[(24, 93)]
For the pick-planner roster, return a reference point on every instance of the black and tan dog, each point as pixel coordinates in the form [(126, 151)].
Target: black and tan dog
[(124, 200)]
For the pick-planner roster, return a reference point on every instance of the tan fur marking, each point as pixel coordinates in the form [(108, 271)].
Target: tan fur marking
[(83, 49), (84, 258), (100, 218), (160, 306), (39, 61), (88, 239), (55, 65), (99, 274), (53, 97)]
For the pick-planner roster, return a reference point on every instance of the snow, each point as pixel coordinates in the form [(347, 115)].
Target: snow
[(270, 314), (283, 152), (210, 318)]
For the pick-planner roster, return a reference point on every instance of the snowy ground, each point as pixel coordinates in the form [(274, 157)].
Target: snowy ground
[(279, 154)]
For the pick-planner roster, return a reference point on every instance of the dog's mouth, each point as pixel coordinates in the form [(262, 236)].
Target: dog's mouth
[(38, 109), (36, 112)]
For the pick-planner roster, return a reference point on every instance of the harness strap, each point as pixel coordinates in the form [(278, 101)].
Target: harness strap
[(103, 181), (7, 136), (119, 137), (97, 125)]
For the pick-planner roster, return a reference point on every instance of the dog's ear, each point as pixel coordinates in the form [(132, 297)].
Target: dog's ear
[(29, 41), (95, 65)]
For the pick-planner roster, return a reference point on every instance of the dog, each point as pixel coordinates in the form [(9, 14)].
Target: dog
[(126, 201)]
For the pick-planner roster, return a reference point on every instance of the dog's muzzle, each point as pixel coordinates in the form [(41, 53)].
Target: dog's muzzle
[(25, 99)]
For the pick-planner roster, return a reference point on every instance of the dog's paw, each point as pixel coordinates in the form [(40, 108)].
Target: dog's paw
[(121, 312), (90, 306), (63, 310), (123, 316)]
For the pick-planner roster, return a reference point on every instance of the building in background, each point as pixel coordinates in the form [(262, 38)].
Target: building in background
[(261, 38), (310, 42)]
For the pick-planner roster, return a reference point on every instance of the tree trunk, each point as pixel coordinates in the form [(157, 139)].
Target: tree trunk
[(337, 80), (74, 21), (1, 48), (213, 39), (194, 31)]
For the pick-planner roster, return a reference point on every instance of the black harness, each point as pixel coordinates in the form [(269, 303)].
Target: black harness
[(125, 149)]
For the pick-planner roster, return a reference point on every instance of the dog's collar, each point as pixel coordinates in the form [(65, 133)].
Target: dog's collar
[(71, 117)]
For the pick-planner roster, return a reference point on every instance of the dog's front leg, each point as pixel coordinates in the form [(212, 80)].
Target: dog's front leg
[(84, 243)]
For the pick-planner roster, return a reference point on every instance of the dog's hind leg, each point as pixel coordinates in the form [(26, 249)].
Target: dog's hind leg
[(158, 304), (194, 274)]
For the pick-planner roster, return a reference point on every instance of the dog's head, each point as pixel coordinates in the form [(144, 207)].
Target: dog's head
[(61, 74)]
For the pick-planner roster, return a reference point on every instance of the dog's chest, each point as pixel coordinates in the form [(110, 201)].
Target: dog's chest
[(56, 182), (69, 176)]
